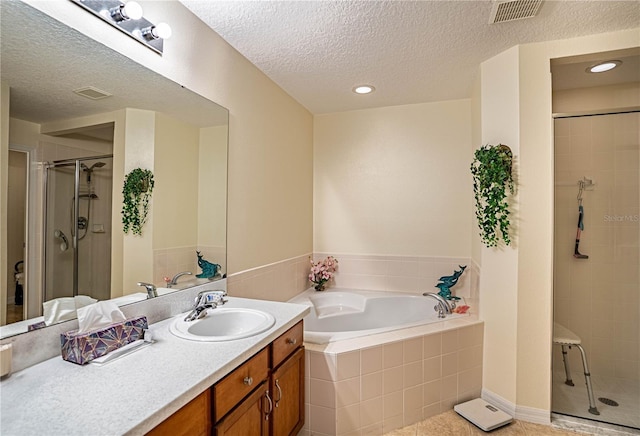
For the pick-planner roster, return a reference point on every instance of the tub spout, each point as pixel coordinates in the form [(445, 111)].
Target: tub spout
[(443, 308)]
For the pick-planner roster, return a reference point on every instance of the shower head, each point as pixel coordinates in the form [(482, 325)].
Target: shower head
[(89, 170), (95, 165)]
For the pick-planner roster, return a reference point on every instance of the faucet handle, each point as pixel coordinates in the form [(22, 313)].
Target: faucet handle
[(151, 289), (208, 297)]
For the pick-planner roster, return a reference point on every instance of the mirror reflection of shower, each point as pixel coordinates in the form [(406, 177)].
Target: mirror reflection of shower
[(78, 227), (88, 193)]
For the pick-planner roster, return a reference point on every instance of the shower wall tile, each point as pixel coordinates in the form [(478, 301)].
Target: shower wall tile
[(415, 274), (605, 148)]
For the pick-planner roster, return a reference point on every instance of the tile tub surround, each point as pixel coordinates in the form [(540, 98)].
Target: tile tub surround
[(415, 274), (379, 383), (278, 281), (133, 394)]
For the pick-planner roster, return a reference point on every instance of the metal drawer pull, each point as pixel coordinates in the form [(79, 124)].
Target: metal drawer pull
[(279, 394), (268, 412), (291, 341), (248, 381)]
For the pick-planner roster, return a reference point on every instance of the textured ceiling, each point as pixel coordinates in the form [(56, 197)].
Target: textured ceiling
[(412, 52), (43, 67)]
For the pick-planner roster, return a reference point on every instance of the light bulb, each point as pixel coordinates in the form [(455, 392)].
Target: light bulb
[(130, 11), (363, 89), (133, 10), (603, 66), (160, 30)]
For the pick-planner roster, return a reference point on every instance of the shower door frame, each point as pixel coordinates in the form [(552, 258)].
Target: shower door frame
[(579, 114), (76, 211)]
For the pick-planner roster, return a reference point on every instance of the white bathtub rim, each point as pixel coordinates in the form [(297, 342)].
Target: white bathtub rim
[(384, 335), (363, 342)]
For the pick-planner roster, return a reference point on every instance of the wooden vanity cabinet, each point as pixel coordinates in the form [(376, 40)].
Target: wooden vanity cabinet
[(193, 419), (287, 387), (248, 419), (287, 382), (276, 406), (264, 396)]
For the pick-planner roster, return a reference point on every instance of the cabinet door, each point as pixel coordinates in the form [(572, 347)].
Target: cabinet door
[(238, 384), (287, 388), (249, 418), (192, 419)]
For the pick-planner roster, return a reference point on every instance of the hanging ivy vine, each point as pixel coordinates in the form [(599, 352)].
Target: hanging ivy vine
[(137, 189), (491, 170)]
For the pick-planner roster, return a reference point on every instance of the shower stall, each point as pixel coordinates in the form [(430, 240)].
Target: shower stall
[(77, 228), (596, 264)]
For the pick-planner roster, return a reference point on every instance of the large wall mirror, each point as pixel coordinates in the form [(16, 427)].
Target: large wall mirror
[(80, 118)]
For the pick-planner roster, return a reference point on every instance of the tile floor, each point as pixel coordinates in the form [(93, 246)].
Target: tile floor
[(573, 400), (451, 424)]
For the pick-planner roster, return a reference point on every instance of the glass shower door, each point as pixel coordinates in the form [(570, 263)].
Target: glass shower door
[(78, 228), (596, 268)]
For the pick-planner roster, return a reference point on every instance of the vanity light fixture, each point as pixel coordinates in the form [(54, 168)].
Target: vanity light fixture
[(128, 18), (364, 89), (601, 67), (128, 11), (160, 30)]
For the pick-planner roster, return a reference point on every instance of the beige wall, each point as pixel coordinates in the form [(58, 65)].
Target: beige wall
[(176, 183), (531, 297), (498, 280), (140, 138), (4, 180), (585, 99), (270, 134), (394, 180), (212, 196)]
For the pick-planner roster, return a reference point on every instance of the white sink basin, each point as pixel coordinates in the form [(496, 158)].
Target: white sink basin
[(223, 324)]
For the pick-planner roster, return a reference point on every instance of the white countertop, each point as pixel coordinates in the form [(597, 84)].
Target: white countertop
[(133, 394)]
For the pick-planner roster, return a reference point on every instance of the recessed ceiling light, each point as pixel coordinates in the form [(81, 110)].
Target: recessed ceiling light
[(364, 89), (603, 66)]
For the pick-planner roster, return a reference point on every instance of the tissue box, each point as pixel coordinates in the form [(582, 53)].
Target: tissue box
[(84, 347)]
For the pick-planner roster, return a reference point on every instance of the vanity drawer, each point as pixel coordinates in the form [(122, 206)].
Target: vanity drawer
[(286, 344), (234, 387)]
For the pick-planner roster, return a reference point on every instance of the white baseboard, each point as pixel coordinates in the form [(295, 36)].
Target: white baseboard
[(531, 414), (523, 413)]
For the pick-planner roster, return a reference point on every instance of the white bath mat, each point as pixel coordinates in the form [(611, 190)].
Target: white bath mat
[(482, 414)]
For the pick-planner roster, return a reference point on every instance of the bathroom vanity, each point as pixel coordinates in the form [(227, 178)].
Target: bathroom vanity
[(175, 386), (263, 396)]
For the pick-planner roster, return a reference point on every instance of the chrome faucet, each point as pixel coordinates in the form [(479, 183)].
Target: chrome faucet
[(151, 289), (206, 300), (443, 307), (174, 280)]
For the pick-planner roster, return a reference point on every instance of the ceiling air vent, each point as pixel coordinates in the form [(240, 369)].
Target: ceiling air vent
[(92, 92), (511, 10)]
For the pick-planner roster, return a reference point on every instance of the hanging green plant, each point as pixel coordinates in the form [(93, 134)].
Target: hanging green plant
[(491, 170), (136, 192)]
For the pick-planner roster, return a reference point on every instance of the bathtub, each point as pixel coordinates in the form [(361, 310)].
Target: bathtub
[(338, 314)]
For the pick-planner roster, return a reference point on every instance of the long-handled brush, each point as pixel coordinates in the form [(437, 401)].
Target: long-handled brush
[(576, 253)]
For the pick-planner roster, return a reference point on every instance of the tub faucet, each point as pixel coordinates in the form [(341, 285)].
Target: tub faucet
[(443, 308), (206, 300), (151, 289), (174, 280)]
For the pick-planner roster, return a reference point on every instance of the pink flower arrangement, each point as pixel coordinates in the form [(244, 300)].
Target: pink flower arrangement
[(322, 271)]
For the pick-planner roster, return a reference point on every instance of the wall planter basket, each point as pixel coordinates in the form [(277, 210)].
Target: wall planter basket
[(492, 177), (136, 192)]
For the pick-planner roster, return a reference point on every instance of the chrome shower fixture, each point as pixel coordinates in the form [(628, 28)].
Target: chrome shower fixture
[(127, 17), (89, 171)]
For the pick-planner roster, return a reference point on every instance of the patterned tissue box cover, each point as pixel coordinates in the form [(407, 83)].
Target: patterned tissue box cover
[(84, 347)]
